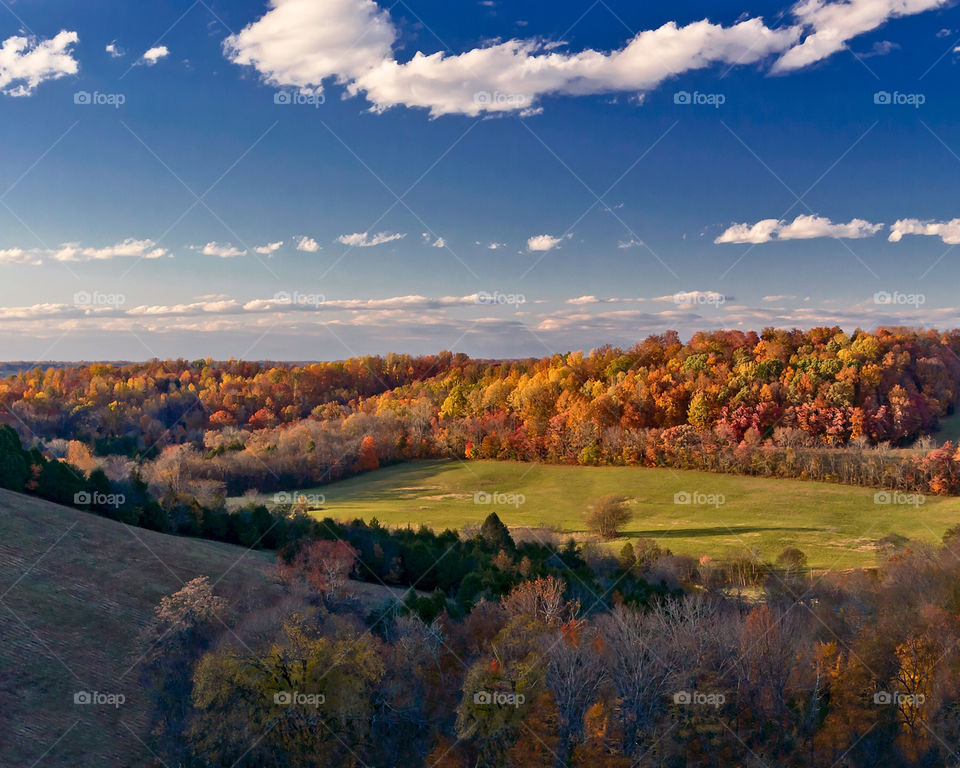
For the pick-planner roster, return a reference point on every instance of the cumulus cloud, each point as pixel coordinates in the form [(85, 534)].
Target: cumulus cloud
[(19, 256), (948, 231), (141, 249), (308, 245), (582, 301), (366, 240), (26, 62), (777, 298), (153, 55), (114, 50), (269, 248), (224, 251), (304, 44), (833, 24), (439, 242), (695, 298), (545, 242), (805, 227), (221, 304), (631, 243), (75, 252)]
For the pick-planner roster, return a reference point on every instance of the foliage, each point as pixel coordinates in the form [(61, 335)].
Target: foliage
[(607, 515)]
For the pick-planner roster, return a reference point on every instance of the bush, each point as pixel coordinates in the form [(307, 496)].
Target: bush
[(607, 515)]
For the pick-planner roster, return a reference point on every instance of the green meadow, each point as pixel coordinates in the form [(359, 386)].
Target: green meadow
[(836, 526)]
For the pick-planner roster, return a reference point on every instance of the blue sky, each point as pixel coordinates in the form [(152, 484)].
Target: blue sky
[(637, 168)]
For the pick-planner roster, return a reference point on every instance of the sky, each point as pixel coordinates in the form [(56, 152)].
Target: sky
[(313, 180)]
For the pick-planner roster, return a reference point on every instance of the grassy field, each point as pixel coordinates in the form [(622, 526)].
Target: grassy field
[(836, 526), (75, 592)]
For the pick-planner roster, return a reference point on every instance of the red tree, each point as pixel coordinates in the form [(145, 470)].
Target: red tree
[(368, 455)]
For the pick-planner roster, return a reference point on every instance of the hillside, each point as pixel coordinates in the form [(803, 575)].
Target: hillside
[(75, 591), (836, 526)]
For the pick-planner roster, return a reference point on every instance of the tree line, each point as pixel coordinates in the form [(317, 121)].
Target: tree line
[(819, 404)]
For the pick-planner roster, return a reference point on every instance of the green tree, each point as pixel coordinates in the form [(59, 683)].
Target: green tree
[(14, 471), (496, 534), (309, 695), (698, 414)]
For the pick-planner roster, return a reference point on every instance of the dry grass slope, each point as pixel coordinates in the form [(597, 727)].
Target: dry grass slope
[(75, 592)]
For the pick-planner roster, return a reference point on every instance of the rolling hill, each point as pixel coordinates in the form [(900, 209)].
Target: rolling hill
[(75, 592)]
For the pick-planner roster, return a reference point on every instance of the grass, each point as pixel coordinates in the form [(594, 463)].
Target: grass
[(949, 429), (836, 526), (75, 592)]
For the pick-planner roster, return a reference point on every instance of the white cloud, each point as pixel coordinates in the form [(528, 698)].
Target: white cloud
[(308, 245), (948, 231), (493, 246), (26, 62), (803, 227), (142, 249), (833, 24), (582, 301), (269, 248), (545, 242), (114, 50), (880, 48), (631, 243), (365, 240), (777, 298), (692, 298), (438, 243), (19, 256), (154, 55), (224, 251), (304, 43), (761, 232), (514, 75), (74, 252)]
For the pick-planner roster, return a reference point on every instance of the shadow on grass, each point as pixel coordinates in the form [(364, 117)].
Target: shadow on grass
[(720, 530)]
